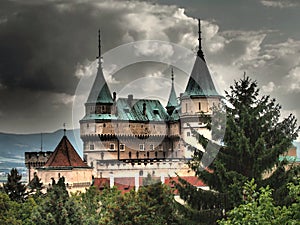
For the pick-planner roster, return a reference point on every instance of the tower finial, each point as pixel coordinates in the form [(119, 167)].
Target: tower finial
[(200, 52), (172, 75), (64, 124), (99, 48)]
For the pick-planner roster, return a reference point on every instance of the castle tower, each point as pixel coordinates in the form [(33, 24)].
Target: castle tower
[(196, 102), (65, 162)]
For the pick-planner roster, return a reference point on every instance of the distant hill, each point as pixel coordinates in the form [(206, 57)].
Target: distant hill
[(13, 146)]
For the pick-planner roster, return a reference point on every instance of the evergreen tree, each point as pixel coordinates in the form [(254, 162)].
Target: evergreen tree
[(153, 204), (255, 137), (14, 187), (35, 185), (57, 207)]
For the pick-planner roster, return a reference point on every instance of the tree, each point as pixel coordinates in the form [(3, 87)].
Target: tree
[(8, 210), (153, 204), (14, 187), (255, 137), (259, 208), (35, 185), (57, 207)]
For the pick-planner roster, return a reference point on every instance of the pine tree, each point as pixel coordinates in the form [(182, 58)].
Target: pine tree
[(35, 184), (255, 137), (14, 187)]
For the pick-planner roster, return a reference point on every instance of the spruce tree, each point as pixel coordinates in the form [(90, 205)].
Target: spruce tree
[(254, 139), (14, 187), (35, 185)]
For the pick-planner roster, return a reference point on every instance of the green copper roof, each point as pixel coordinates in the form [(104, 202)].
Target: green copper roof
[(99, 117), (200, 83), (134, 110), (172, 98), (100, 92)]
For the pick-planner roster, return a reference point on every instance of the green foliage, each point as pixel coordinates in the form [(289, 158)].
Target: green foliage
[(57, 207), (255, 137), (153, 204), (35, 185), (12, 212), (259, 208), (13, 187)]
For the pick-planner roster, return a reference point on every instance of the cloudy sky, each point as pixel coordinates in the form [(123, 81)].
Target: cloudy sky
[(48, 47)]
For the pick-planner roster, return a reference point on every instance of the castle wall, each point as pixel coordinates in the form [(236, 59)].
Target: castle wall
[(75, 179)]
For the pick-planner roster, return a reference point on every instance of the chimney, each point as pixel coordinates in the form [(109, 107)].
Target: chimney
[(114, 96), (144, 109), (129, 100)]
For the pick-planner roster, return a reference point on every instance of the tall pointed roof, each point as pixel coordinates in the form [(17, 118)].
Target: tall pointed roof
[(65, 155), (200, 83), (100, 92), (172, 102)]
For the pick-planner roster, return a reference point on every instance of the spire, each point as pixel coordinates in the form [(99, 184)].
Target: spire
[(172, 102), (99, 48), (100, 92), (200, 83), (200, 52)]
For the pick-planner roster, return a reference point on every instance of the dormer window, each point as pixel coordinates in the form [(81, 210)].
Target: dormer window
[(155, 111)]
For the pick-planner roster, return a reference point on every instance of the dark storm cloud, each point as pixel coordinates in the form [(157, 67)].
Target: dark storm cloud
[(41, 44)]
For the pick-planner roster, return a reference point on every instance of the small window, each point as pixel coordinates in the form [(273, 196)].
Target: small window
[(186, 107), (111, 146), (142, 147), (122, 147), (151, 147), (87, 125), (155, 111), (160, 147), (92, 147), (199, 105), (126, 110), (188, 134)]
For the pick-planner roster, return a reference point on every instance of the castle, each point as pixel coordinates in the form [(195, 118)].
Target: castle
[(130, 137)]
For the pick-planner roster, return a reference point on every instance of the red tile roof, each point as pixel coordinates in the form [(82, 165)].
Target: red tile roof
[(101, 182), (195, 181), (65, 155)]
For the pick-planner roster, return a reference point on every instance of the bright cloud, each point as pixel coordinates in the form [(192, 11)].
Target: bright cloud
[(280, 3), (269, 87)]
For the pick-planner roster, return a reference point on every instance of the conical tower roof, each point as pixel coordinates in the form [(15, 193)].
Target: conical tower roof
[(172, 102), (65, 155), (200, 83), (100, 92)]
